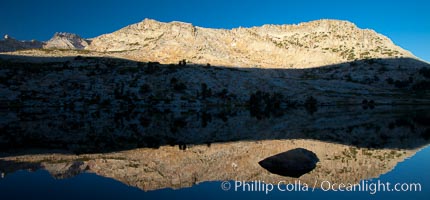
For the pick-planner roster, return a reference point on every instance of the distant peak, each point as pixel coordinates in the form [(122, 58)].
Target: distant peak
[(63, 40), (316, 23), (152, 21), (59, 34), (331, 22), (179, 22), (66, 35), (149, 20), (7, 37)]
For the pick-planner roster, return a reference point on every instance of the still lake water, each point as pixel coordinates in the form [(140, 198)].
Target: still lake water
[(175, 155)]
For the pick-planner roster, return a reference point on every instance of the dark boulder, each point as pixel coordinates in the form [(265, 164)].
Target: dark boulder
[(292, 163)]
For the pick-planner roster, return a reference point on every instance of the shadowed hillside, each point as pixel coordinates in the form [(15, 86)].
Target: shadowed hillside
[(92, 104), (92, 82)]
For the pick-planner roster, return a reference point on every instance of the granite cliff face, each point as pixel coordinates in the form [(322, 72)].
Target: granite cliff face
[(310, 44)]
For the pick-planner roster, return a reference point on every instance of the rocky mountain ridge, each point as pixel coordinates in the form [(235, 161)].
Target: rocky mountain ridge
[(60, 40), (310, 44), (11, 44)]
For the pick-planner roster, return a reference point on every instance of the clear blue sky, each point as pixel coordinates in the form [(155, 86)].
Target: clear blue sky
[(407, 23)]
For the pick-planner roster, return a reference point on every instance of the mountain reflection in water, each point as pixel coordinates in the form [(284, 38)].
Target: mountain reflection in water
[(187, 148)]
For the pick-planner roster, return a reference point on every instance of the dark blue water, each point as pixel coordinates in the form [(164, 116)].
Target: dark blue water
[(386, 128), (41, 185)]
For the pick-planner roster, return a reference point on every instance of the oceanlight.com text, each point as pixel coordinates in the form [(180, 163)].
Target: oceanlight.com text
[(372, 187)]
